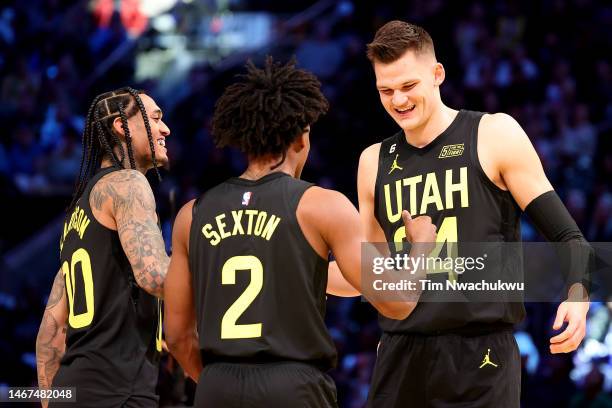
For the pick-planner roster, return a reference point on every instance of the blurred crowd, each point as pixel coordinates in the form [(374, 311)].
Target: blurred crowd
[(545, 63)]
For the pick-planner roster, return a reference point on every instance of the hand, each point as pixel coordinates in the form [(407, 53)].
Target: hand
[(419, 229), (574, 313)]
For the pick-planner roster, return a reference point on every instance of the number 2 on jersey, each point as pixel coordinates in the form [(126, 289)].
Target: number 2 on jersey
[(229, 328), (80, 256)]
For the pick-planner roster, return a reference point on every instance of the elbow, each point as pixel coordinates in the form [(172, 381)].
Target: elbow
[(397, 310), (177, 342), (173, 342)]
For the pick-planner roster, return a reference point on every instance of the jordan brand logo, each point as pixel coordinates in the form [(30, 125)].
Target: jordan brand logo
[(486, 360), (394, 166)]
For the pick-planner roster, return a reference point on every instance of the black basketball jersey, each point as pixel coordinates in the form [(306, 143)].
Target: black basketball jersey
[(259, 286), (113, 339), (445, 181)]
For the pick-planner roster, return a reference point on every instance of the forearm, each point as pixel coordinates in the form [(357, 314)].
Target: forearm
[(186, 350), (50, 346), (144, 247), (51, 338), (554, 222), (337, 285)]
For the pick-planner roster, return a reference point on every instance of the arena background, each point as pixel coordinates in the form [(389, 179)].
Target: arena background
[(547, 63)]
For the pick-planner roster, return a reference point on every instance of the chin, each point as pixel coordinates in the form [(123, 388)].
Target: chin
[(162, 160), (409, 124)]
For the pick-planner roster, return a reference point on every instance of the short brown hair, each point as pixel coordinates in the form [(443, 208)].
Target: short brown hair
[(395, 38)]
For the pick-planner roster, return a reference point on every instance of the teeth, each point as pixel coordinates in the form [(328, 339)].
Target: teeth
[(161, 142), (407, 109)]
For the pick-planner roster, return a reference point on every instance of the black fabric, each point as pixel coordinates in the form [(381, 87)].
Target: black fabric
[(552, 219), (445, 181), (555, 223), (421, 371), (272, 385), (112, 355), (287, 309)]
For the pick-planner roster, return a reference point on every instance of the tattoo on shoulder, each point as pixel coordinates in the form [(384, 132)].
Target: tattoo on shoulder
[(57, 290), (126, 189)]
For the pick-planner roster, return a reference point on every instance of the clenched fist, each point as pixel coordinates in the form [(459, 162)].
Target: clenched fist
[(419, 230)]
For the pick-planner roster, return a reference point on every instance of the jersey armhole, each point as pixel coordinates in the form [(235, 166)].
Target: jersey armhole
[(193, 233), (476, 160), (86, 196), (298, 232), (384, 146)]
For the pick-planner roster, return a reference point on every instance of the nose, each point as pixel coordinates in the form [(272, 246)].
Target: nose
[(164, 129), (399, 98)]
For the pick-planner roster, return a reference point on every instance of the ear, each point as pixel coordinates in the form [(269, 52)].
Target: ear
[(118, 128), (439, 74), (300, 142)]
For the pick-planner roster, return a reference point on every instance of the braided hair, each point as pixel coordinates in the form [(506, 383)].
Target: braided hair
[(268, 109), (100, 139)]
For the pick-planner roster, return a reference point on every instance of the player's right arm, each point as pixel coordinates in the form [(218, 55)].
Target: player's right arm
[(366, 179), (123, 200), (332, 223), (51, 338), (180, 315)]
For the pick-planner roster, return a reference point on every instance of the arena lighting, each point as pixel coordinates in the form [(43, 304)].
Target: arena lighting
[(152, 8)]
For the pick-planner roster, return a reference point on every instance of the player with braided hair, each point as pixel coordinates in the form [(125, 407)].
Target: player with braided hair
[(101, 329), (250, 256)]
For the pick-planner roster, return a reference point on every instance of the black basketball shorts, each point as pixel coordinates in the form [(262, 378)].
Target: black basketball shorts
[(448, 370), (269, 385)]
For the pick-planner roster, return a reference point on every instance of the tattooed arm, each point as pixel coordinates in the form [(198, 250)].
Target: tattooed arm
[(126, 197), (51, 339)]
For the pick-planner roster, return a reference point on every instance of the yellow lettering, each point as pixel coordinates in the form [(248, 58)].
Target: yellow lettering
[(412, 182), (270, 227), (391, 216), (210, 234), (250, 213), (462, 187), (84, 319), (221, 226), (259, 224), (431, 194), (237, 216), (72, 217), (84, 226), (77, 224)]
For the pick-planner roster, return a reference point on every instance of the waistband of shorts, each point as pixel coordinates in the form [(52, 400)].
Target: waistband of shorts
[(260, 360), (468, 330)]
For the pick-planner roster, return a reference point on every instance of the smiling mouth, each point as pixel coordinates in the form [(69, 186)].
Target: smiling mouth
[(161, 142), (405, 110)]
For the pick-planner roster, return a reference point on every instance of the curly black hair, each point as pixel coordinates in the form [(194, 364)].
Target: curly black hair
[(265, 111)]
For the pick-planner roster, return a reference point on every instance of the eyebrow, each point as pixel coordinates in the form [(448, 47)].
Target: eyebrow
[(159, 111), (408, 82)]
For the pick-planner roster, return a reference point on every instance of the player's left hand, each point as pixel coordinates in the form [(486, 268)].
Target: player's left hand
[(574, 313)]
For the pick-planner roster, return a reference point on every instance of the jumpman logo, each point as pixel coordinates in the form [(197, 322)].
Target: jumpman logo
[(486, 360), (394, 166)]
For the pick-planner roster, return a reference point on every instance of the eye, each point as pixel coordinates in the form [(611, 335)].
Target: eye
[(386, 91), (408, 87)]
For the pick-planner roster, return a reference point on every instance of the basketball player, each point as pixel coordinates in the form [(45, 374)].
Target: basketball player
[(250, 256), (101, 330), (472, 173)]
